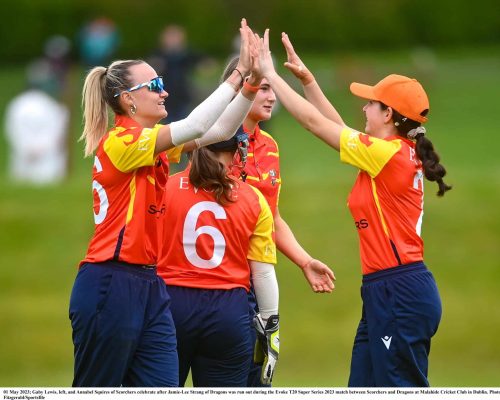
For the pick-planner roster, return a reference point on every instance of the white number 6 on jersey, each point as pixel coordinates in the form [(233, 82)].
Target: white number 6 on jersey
[(101, 193), (190, 235)]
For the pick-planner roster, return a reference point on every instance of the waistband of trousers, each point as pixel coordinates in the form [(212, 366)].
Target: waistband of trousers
[(418, 266), (136, 269)]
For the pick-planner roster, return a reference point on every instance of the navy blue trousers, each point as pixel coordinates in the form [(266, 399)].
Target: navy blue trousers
[(213, 335), (401, 313), (123, 332)]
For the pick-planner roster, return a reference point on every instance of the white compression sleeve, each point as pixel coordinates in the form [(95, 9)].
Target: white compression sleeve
[(203, 116), (227, 124), (266, 289)]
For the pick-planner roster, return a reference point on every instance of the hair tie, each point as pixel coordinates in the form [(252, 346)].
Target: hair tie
[(416, 133)]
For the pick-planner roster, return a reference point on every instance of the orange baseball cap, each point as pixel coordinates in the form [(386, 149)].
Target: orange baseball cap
[(405, 95)]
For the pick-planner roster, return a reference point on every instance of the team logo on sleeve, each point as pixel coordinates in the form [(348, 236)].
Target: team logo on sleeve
[(351, 141), (272, 174)]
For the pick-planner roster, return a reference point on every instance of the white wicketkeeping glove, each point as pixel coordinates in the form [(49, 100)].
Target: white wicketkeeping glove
[(267, 348)]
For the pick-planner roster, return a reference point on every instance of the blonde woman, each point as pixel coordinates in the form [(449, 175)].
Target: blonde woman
[(123, 332)]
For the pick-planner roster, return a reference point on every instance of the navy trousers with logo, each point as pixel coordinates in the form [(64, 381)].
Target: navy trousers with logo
[(401, 313), (123, 331)]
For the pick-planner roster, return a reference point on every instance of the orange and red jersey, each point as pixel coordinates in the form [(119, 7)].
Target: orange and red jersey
[(386, 200), (262, 169), (207, 245), (128, 185)]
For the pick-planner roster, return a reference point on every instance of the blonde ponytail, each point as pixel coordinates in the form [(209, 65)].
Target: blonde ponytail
[(101, 84), (95, 113)]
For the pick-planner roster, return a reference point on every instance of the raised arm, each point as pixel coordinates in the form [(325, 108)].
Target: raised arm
[(312, 90), (199, 121), (235, 113), (303, 111)]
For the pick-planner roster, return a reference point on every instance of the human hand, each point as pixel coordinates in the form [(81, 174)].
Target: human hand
[(256, 71), (319, 276), (262, 54), (267, 347), (245, 59), (294, 63)]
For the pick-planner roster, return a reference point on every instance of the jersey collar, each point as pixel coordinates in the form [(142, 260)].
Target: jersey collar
[(254, 134), (126, 122)]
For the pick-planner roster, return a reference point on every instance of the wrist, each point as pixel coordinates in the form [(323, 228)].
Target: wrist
[(244, 71), (307, 80), (253, 88), (253, 80), (306, 263)]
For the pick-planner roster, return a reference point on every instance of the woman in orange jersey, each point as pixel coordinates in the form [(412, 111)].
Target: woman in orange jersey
[(262, 170), (219, 234), (401, 303), (123, 332)]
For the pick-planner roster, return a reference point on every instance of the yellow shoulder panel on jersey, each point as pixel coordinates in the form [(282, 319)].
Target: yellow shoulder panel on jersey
[(131, 149), (262, 247), (366, 152), (270, 137)]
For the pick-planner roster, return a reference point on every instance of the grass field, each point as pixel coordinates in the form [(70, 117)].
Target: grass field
[(44, 233)]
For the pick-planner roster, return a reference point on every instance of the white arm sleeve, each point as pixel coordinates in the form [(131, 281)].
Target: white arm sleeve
[(203, 116), (228, 123), (266, 289)]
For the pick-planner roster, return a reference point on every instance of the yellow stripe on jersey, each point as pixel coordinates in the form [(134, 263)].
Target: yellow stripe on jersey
[(132, 188), (262, 247), (130, 149), (272, 153), (174, 154), (366, 152), (253, 178), (379, 208)]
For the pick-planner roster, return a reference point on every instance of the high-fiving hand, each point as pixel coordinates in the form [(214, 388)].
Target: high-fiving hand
[(294, 63), (262, 54)]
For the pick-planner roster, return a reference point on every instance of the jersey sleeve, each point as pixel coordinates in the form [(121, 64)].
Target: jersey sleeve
[(366, 152), (262, 247), (129, 149), (174, 154)]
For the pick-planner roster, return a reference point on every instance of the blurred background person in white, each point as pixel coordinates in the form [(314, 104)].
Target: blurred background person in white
[(36, 126)]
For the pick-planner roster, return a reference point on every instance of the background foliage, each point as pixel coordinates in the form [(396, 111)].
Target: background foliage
[(315, 24), (44, 231)]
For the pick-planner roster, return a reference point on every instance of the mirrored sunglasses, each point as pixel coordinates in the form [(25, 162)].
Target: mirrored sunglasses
[(154, 85)]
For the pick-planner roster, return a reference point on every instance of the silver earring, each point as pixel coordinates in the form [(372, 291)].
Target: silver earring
[(133, 109)]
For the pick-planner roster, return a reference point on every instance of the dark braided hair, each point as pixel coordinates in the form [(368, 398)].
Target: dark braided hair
[(433, 170)]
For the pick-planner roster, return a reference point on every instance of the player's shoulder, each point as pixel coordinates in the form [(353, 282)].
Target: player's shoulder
[(253, 194), (268, 137), (174, 178)]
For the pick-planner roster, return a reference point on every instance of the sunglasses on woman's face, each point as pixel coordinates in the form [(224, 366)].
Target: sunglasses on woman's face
[(154, 85)]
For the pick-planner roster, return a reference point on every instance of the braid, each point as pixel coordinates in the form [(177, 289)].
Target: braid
[(433, 170), (410, 129)]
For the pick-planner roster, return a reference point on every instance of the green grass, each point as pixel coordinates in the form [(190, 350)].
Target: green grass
[(44, 233)]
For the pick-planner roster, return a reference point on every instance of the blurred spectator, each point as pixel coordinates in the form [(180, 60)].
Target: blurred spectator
[(98, 40), (176, 62), (57, 52), (36, 127)]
